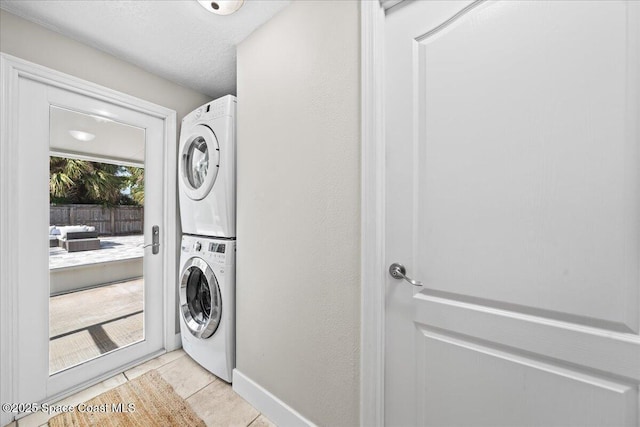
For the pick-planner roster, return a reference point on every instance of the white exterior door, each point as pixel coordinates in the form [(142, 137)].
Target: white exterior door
[(34, 381), (513, 194)]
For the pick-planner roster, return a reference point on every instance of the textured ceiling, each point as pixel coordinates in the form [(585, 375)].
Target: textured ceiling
[(176, 39)]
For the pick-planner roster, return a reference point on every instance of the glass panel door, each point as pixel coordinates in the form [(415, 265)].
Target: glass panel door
[(131, 328), (96, 237)]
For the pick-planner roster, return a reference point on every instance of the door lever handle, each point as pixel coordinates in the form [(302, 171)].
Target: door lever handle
[(398, 271), (155, 240)]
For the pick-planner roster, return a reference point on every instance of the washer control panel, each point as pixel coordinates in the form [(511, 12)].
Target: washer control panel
[(220, 251)]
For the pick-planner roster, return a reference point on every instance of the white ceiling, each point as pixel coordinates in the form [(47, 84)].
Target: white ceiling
[(176, 39), (113, 142)]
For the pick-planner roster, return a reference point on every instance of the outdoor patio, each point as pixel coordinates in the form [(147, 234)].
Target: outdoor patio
[(93, 315), (112, 248), (85, 324)]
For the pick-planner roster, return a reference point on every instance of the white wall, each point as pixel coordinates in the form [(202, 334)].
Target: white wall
[(32, 42), (298, 291)]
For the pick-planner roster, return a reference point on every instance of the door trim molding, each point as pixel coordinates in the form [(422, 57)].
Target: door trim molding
[(372, 215), (8, 198), (11, 70), (388, 4)]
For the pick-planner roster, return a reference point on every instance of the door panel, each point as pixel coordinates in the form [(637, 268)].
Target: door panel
[(506, 389), (512, 189), (511, 119), (34, 384)]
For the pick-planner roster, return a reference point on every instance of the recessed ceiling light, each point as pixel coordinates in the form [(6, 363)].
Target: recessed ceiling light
[(221, 7), (81, 135)]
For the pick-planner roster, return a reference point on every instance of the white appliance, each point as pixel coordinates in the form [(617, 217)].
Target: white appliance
[(207, 302), (207, 171)]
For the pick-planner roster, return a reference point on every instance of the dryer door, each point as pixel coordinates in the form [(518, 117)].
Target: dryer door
[(200, 301), (199, 162)]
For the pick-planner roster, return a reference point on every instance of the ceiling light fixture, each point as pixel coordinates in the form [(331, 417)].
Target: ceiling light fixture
[(81, 135), (221, 7)]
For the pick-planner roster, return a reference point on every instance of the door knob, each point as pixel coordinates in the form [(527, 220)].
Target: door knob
[(398, 271)]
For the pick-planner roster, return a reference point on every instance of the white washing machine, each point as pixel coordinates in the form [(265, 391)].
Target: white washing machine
[(207, 169), (207, 303)]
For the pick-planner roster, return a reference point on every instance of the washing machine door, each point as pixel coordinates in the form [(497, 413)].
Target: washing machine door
[(199, 162), (200, 301)]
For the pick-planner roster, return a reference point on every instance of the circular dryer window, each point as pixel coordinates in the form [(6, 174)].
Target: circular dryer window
[(200, 300), (200, 162), (197, 162)]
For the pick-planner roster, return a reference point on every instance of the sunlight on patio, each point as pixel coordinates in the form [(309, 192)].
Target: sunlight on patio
[(93, 309)]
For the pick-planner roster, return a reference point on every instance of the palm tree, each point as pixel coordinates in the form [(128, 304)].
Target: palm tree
[(81, 181), (62, 174), (135, 182)]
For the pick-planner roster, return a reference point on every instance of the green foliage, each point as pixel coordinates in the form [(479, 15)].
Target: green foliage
[(85, 182), (135, 181)]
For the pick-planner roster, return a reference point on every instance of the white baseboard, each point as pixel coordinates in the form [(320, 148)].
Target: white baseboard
[(273, 408)]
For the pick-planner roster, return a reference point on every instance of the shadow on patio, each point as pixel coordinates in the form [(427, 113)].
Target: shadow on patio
[(96, 302)]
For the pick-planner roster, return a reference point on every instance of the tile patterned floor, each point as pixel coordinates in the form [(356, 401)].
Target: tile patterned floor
[(211, 398)]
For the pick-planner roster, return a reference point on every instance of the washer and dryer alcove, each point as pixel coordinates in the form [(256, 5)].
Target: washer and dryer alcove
[(206, 168)]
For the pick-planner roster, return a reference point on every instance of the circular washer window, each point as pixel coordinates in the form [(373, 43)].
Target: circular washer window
[(200, 300), (200, 162)]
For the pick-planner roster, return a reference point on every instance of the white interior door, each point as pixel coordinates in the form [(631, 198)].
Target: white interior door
[(513, 194), (34, 382)]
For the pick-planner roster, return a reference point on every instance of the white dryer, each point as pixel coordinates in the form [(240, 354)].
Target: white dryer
[(207, 303), (207, 169)]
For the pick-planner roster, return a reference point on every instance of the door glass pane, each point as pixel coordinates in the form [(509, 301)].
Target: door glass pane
[(197, 162), (96, 215)]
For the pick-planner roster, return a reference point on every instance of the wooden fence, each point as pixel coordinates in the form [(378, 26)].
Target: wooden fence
[(107, 221)]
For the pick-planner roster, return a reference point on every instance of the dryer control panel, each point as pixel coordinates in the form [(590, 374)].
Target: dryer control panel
[(225, 106)]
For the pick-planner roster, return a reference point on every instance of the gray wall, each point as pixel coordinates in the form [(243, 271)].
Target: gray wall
[(298, 277)]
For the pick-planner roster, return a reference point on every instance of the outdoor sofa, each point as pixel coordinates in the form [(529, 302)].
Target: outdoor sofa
[(74, 238)]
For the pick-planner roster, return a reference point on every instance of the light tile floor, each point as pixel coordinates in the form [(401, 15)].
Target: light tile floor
[(211, 399)]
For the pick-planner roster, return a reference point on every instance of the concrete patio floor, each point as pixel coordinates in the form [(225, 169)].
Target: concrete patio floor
[(85, 324), (112, 248)]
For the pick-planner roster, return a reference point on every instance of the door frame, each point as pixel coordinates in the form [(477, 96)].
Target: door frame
[(372, 256), (12, 69)]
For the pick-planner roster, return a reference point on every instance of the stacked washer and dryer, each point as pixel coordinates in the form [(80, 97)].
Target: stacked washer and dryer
[(207, 193)]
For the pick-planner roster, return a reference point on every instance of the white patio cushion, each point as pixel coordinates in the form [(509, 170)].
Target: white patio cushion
[(74, 229)]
